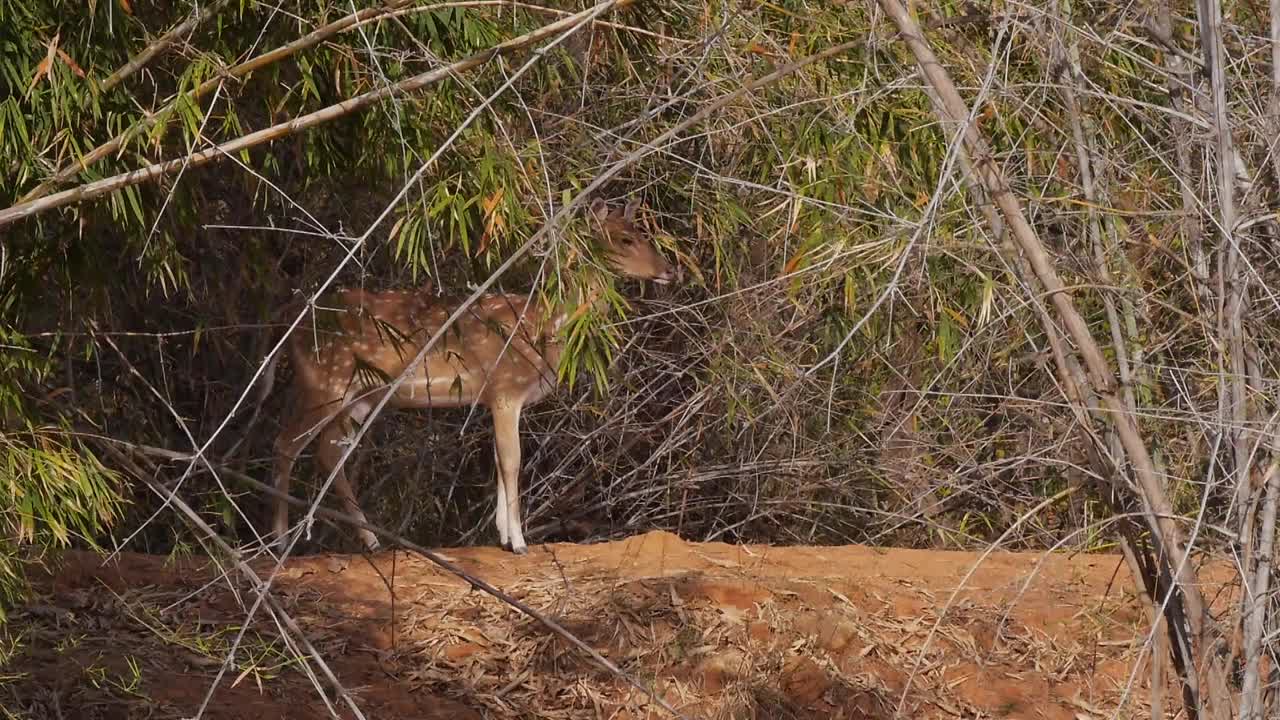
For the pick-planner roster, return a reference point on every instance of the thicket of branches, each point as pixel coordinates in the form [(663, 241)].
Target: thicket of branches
[(867, 349)]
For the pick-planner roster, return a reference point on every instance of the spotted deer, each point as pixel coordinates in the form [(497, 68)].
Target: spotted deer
[(503, 353)]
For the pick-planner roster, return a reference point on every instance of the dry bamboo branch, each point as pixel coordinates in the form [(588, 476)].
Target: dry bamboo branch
[(275, 132), (1233, 281), (1156, 504), (137, 62), (1256, 594), (1177, 62), (1275, 86), (1068, 61), (1231, 270), (1257, 577)]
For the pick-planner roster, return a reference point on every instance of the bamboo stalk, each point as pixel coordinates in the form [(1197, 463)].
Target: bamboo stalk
[(392, 8), (1158, 510), (1256, 593), (1068, 61), (139, 61), (1257, 586), (311, 39), (1231, 270)]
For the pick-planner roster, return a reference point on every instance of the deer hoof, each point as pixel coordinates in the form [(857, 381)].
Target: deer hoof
[(520, 550)]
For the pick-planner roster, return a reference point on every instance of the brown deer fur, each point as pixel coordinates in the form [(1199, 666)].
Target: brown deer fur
[(502, 354)]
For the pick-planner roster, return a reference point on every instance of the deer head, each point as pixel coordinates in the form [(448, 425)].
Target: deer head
[(628, 248)]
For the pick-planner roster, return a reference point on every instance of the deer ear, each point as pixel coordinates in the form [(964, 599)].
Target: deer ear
[(599, 209), (630, 212)]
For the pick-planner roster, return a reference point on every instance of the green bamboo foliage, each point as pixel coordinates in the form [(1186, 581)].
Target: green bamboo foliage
[(55, 492), (790, 211), (53, 57)]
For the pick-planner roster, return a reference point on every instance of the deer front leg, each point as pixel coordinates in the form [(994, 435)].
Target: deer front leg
[(500, 507), (506, 439), (329, 453), (286, 455)]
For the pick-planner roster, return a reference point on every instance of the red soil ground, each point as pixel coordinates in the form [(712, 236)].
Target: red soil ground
[(720, 631)]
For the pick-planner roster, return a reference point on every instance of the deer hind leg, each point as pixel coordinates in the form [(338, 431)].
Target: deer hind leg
[(506, 440), (328, 452), (289, 443)]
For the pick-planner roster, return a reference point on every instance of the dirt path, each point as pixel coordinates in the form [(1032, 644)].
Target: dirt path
[(724, 632)]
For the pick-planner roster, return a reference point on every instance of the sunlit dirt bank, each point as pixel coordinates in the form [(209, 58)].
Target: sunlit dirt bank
[(719, 631)]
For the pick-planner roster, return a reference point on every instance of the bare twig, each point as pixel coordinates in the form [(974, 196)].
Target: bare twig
[(1067, 61)]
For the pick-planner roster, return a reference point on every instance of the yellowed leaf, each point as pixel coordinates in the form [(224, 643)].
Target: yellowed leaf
[(494, 223), (960, 319), (51, 51), (793, 263)]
